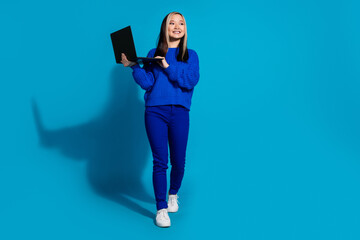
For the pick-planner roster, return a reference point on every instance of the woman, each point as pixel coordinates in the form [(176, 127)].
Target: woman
[(169, 85)]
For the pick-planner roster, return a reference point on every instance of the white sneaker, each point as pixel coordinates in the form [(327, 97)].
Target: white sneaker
[(162, 218), (173, 203)]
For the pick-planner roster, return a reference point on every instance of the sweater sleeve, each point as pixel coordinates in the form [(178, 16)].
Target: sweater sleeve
[(185, 74), (144, 76)]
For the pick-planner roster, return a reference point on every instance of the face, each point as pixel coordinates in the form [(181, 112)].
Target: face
[(176, 29)]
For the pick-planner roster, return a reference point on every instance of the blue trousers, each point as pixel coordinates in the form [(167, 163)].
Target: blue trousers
[(167, 125)]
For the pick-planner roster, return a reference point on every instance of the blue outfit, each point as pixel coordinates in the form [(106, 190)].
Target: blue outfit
[(172, 85), (167, 100)]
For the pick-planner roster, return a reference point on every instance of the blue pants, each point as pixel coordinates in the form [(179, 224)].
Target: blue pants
[(167, 124)]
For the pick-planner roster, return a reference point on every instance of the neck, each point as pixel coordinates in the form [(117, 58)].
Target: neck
[(174, 43)]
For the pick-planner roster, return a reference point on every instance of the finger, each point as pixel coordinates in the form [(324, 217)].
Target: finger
[(123, 56)]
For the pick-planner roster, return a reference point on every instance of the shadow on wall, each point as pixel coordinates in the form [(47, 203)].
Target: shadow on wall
[(114, 144)]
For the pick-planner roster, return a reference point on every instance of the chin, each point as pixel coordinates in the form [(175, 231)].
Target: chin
[(177, 37)]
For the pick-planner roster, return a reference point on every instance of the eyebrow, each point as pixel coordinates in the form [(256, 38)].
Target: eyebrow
[(179, 21)]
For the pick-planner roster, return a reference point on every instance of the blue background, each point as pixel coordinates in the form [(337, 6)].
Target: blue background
[(273, 150)]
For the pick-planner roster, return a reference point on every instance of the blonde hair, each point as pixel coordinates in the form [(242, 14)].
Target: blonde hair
[(164, 39), (168, 19)]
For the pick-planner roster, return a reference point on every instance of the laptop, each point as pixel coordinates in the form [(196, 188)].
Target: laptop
[(123, 42)]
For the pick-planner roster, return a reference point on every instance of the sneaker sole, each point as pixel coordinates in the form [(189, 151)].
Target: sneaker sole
[(172, 211), (164, 226)]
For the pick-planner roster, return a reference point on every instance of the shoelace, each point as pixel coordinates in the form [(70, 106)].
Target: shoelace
[(174, 199), (162, 215)]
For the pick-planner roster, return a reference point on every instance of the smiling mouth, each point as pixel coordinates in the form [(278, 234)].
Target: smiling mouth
[(177, 32)]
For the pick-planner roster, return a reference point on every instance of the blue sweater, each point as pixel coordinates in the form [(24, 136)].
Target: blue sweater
[(172, 85)]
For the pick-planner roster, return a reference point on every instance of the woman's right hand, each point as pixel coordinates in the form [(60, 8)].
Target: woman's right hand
[(126, 62)]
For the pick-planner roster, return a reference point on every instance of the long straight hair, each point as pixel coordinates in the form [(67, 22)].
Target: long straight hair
[(163, 40)]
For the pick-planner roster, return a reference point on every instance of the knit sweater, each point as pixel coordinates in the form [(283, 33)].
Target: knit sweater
[(172, 85)]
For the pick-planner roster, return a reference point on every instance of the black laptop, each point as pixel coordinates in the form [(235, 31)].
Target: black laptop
[(123, 42)]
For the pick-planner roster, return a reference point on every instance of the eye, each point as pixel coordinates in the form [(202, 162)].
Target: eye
[(172, 23)]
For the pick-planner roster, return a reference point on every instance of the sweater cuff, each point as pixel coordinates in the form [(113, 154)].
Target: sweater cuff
[(135, 66), (169, 69)]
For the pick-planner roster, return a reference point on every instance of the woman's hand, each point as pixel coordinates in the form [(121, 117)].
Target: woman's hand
[(126, 62), (163, 62)]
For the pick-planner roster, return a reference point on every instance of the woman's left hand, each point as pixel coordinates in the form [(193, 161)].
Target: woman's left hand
[(163, 62)]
